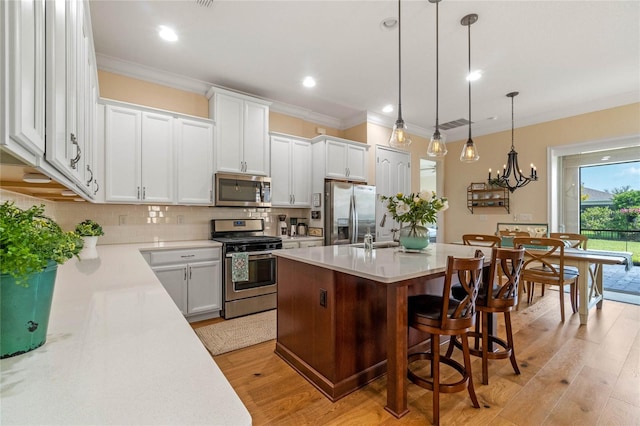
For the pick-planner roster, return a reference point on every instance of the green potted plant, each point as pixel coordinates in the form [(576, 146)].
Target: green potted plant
[(32, 246), (89, 230)]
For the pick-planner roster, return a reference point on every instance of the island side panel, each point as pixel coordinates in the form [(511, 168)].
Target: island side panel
[(306, 330)]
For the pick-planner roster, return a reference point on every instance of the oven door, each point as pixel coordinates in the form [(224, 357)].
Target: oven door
[(262, 277)]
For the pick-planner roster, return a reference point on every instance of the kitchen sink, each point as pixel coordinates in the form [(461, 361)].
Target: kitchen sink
[(377, 245)]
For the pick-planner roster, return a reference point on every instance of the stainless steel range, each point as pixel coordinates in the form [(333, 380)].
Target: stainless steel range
[(258, 292)]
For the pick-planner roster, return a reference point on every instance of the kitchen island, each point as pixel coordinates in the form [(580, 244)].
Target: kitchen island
[(118, 351), (342, 313)]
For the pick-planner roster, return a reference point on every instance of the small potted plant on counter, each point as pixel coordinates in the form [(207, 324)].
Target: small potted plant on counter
[(32, 246), (89, 230)]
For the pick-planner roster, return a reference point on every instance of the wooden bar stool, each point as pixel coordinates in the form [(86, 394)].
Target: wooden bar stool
[(496, 297), (443, 315)]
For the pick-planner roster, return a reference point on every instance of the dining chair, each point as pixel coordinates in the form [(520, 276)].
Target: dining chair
[(442, 315), (481, 240), (578, 241), (544, 263), (496, 296)]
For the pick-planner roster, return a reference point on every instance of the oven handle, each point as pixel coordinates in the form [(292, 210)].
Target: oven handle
[(254, 255)]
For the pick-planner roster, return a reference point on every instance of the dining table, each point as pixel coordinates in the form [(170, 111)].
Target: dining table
[(591, 283)]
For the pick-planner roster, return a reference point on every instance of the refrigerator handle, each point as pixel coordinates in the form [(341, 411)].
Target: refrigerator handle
[(354, 220)]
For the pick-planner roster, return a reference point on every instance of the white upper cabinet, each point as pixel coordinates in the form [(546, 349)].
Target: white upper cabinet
[(194, 143), (241, 135), (290, 171), (340, 158), (71, 145), (155, 156), (22, 74), (139, 156)]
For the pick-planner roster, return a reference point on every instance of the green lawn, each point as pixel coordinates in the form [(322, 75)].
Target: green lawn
[(633, 247)]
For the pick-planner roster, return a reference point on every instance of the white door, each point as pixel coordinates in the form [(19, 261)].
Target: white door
[(393, 175), (157, 158), (357, 163), (205, 289), (228, 114), (194, 141), (336, 159), (122, 154), (256, 139), (301, 173), (174, 280), (280, 171), (25, 74)]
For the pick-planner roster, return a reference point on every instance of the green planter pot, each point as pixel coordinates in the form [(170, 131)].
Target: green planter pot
[(25, 311)]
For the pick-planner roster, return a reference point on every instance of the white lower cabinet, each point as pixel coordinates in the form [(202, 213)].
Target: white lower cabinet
[(193, 279), (301, 244)]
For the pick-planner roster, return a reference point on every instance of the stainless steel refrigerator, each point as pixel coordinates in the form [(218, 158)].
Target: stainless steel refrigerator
[(350, 210)]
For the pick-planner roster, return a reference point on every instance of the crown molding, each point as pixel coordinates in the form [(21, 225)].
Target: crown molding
[(153, 75), (306, 114)]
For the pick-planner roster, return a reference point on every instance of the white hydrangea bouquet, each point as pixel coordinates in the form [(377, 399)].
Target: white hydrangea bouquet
[(415, 209)]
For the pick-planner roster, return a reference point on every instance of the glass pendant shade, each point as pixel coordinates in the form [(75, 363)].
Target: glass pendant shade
[(469, 153), (399, 136), (437, 146)]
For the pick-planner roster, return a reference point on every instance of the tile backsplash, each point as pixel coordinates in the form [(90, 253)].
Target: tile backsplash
[(128, 223)]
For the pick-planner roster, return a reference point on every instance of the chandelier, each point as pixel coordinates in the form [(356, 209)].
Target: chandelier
[(512, 177)]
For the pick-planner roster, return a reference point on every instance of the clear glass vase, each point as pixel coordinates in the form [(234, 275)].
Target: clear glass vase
[(414, 237)]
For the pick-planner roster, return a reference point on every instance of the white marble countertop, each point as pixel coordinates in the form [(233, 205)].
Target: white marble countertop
[(118, 351), (386, 265)]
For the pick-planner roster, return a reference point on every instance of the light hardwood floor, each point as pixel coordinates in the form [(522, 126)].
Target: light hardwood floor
[(571, 374)]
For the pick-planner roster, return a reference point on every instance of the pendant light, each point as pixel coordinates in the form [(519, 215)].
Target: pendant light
[(399, 136), (469, 152), (512, 177), (437, 147)]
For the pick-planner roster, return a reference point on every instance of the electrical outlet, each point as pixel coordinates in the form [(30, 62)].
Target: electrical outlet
[(122, 219), (526, 217), (180, 219), (323, 297), (482, 218)]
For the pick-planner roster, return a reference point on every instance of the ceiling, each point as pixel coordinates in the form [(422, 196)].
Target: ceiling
[(564, 57)]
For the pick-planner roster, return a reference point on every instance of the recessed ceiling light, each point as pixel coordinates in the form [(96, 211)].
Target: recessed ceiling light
[(387, 108), (79, 200), (389, 23), (309, 82), (474, 75), (167, 34), (68, 193), (605, 158), (36, 178)]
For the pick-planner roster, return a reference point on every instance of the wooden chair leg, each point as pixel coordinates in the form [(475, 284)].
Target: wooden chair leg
[(485, 348), (512, 358), (452, 344), (542, 290), (467, 367), (435, 374), (561, 303)]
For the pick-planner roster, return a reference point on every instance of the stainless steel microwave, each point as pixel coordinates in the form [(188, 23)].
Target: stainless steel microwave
[(236, 190)]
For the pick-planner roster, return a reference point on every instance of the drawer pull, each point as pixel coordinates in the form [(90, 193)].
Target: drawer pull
[(187, 255)]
